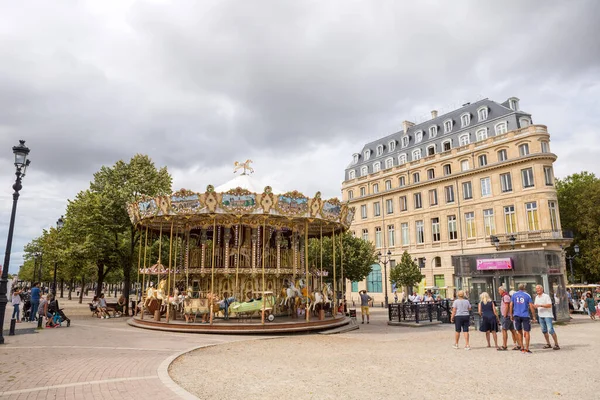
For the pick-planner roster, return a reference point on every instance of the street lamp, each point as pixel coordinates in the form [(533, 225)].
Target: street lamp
[(59, 224), (570, 258), (384, 260), (21, 164)]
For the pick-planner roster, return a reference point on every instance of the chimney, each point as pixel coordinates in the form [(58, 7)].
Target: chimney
[(433, 114), (406, 125)]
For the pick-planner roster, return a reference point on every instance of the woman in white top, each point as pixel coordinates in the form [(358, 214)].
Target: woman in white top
[(16, 302)]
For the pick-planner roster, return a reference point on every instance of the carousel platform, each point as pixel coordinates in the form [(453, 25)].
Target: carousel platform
[(253, 326)]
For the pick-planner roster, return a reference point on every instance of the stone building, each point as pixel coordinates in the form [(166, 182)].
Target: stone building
[(469, 194)]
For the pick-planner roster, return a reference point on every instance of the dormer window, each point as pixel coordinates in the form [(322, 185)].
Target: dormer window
[(447, 145), (402, 159), (405, 141), (352, 174), (364, 171), (367, 154), (513, 103), (501, 128), (377, 167), (482, 113), (463, 140), (418, 136), (355, 158), (379, 150), (416, 154), (465, 120), (447, 126), (481, 134), (431, 150), (392, 145), (389, 163), (524, 122), (432, 131)]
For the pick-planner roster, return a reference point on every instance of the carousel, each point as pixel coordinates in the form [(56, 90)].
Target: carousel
[(238, 259)]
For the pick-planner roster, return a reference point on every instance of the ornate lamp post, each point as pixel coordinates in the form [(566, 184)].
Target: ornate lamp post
[(384, 260), (570, 258), (21, 163), (59, 224)]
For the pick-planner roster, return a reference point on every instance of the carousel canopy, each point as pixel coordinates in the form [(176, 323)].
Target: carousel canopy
[(243, 181)]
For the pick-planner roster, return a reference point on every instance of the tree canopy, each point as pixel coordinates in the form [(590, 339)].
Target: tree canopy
[(406, 273)]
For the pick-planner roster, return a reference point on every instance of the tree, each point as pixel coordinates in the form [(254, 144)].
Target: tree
[(578, 199), (406, 273)]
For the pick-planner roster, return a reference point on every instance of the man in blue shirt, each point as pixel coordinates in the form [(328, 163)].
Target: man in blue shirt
[(35, 301), (520, 305)]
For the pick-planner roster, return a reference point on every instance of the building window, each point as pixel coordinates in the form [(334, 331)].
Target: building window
[(404, 141), (452, 232), (367, 154), (377, 167), (514, 104), (502, 155), (416, 177), (403, 203), (391, 236), (365, 235), (481, 134), (378, 237), (363, 191), (392, 146), (416, 154), (401, 181), (389, 206), (524, 122), (548, 176), (506, 182), (467, 190), (482, 113), (418, 202), (501, 128), (374, 279), (352, 174), (405, 234), (389, 163), (380, 150), (449, 191), (527, 177), (418, 136), (447, 145), (431, 173), (447, 126), (420, 232), (375, 188), (388, 184), (510, 219), (364, 171), (465, 120), (435, 229), (431, 150), (350, 194), (532, 216), (482, 160), (524, 149), (432, 131), (433, 199), (363, 211), (486, 187), (355, 158), (488, 222), (463, 140), (354, 287), (447, 169), (376, 209), (470, 225), (402, 159), (464, 165), (553, 215), (545, 147)]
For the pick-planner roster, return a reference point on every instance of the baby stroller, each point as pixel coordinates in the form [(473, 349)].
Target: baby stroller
[(26, 307), (58, 316)]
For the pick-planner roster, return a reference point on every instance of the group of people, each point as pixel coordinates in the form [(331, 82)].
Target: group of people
[(40, 306), (517, 312), (103, 310)]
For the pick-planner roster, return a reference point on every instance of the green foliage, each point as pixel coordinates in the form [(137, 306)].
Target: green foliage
[(358, 255), (578, 200), (406, 273)]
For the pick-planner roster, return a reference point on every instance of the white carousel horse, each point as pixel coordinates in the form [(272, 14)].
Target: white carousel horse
[(291, 293), (245, 165), (327, 294)]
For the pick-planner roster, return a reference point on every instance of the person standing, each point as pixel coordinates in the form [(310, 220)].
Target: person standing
[(591, 305), (16, 302), (543, 305), (505, 321), (489, 318), (35, 301), (364, 305), (461, 309), (520, 305)]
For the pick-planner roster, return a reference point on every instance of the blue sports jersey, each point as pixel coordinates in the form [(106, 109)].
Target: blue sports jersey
[(521, 301)]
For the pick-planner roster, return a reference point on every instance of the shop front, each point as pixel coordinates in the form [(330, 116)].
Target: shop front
[(478, 273)]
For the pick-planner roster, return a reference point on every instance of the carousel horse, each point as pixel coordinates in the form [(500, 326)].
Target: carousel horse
[(224, 306), (327, 295), (292, 292), (316, 299)]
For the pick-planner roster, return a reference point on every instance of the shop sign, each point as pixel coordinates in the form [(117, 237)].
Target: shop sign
[(494, 263)]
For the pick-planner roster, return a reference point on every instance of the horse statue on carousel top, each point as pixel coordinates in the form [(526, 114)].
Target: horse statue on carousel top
[(245, 166)]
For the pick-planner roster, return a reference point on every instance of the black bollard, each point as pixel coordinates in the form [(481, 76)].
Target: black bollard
[(40, 322), (13, 323)]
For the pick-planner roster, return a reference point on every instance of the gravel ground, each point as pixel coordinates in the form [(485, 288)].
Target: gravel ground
[(381, 362)]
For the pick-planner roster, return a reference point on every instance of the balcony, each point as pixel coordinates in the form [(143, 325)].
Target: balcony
[(528, 237)]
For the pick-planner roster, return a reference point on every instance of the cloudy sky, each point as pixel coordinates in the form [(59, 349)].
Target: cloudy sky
[(296, 86)]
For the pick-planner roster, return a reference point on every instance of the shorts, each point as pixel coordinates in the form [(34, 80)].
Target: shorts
[(546, 325), (461, 322), (364, 310), (507, 324), (523, 324)]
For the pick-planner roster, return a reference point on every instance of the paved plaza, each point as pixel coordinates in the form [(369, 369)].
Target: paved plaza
[(106, 359)]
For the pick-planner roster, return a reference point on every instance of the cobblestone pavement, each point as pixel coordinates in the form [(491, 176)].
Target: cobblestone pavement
[(92, 359)]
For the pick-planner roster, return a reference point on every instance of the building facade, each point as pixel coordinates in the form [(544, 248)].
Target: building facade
[(458, 192)]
